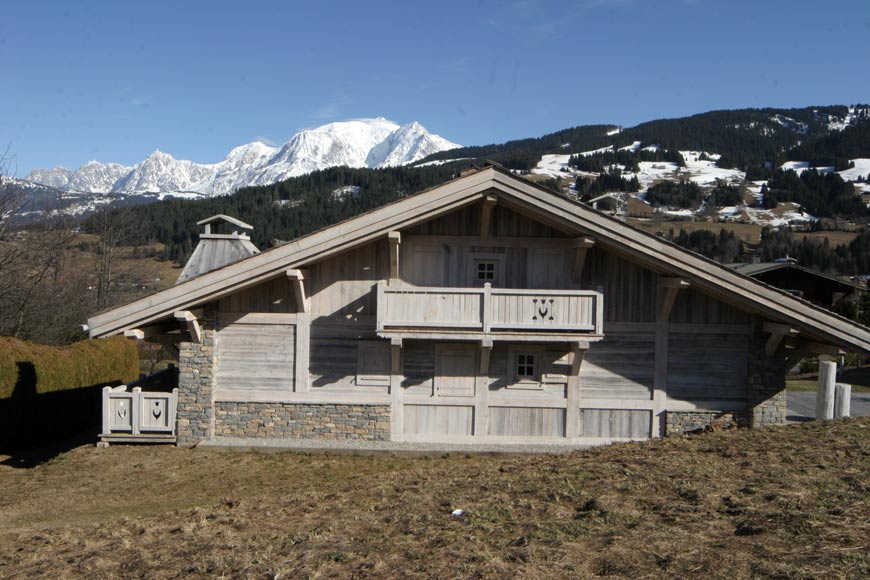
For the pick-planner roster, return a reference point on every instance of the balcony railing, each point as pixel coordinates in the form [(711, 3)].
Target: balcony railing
[(488, 310)]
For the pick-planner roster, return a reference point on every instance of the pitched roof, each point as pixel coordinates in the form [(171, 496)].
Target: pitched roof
[(757, 268), (520, 195)]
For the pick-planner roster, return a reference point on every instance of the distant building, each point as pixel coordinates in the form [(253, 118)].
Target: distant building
[(820, 289)]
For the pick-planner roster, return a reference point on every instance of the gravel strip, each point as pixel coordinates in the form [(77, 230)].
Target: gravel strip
[(356, 445)]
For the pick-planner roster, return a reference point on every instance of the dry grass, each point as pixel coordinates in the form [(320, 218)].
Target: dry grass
[(789, 502)]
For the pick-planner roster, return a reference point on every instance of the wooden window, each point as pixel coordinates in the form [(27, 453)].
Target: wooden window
[(485, 271), (485, 268), (373, 360), (526, 364)]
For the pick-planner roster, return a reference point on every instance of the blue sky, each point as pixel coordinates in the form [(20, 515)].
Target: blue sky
[(113, 81)]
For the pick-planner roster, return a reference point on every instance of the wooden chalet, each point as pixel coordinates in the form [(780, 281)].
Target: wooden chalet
[(487, 309)]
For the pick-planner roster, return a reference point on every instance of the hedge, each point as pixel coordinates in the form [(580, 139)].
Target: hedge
[(61, 368)]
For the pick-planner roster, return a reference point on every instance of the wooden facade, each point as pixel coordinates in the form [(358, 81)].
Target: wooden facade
[(485, 310)]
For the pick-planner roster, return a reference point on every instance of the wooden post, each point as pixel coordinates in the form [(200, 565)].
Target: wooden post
[(581, 247), (297, 280), (825, 392), (486, 216), (481, 391), (486, 315), (302, 356), (136, 409), (842, 400), (572, 396), (396, 412), (107, 425), (395, 239)]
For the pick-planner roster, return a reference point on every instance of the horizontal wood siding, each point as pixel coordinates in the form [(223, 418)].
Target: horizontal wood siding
[(526, 422), (619, 423), (438, 420), (704, 367), (255, 357), (621, 366)]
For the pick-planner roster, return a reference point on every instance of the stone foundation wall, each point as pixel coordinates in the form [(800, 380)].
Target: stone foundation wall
[(677, 422), (302, 420), (196, 363), (765, 388)]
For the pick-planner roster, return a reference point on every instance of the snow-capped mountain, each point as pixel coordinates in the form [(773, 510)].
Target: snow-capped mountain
[(96, 177), (356, 143)]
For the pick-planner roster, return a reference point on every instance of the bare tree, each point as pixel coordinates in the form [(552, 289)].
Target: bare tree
[(113, 228), (40, 291)]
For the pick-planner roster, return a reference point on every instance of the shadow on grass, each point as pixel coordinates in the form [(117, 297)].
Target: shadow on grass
[(34, 426)]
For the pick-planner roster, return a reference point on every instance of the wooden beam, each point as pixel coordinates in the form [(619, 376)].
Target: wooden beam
[(668, 289), (777, 333), (481, 391), (485, 351), (794, 355), (396, 395), (297, 280), (395, 239), (486, 216), (581, 246), (192, 324), (572, 395), (136, 333), (811, 347)]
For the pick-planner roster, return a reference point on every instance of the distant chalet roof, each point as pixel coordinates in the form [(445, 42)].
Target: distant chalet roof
[(752, 270)]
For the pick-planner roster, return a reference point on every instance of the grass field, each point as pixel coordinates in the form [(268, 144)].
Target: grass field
[(787, 502)]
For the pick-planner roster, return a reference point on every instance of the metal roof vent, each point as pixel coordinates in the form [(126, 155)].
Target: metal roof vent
[(216, 250)]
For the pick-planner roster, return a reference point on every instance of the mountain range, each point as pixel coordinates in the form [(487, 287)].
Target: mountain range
[(371, 143)]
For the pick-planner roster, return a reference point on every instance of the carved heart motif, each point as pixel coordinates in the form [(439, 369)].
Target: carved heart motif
[(157, 410)]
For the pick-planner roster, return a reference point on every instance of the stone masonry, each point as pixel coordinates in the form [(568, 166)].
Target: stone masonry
[(695, 421), (195, 417), (302, 420), (765, 388)]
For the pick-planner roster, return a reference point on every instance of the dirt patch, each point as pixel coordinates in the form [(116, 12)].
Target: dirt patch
[(790, 502)]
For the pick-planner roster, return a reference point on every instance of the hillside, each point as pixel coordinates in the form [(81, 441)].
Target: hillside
[(787, 502)]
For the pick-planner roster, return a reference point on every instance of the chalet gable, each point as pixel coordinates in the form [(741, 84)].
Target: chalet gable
[(493, 187)]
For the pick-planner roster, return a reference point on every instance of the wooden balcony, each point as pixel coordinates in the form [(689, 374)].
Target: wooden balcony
[(489, 313)]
